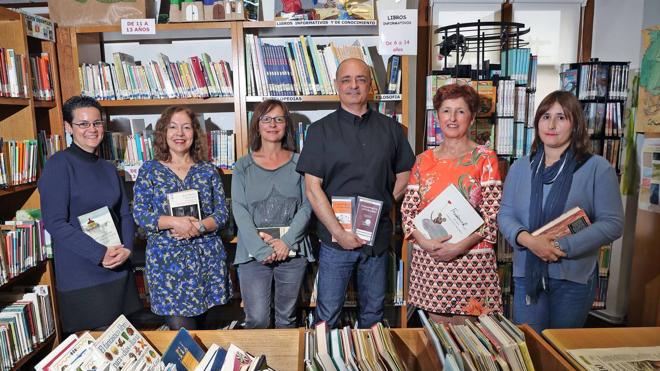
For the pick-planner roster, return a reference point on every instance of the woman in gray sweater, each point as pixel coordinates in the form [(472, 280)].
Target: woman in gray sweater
[(267, 193), (555, 278)]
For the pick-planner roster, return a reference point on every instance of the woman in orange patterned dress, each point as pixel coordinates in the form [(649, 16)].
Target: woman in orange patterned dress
[(453, 280)]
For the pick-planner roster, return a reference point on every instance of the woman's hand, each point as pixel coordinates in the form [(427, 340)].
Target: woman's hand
[(541, 246), (440, 249), (183, 227), (281, 249), (267, 239), (115, 256)]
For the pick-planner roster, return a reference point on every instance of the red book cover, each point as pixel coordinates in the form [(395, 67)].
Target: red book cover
[(199, 75), (570, 222)]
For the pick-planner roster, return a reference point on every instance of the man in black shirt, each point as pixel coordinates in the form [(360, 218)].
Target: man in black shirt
[(354, 151)]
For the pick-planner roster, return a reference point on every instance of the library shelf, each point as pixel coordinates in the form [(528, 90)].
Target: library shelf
[(6, 101), (45, 104), (165, 102), (17, 188)]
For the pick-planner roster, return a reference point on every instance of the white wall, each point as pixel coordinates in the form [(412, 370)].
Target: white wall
[(617, 26)]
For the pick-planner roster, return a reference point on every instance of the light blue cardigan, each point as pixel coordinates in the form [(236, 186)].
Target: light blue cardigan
[(595, 188)]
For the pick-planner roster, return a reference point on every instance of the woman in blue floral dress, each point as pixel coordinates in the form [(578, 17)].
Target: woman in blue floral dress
[(186, 266)]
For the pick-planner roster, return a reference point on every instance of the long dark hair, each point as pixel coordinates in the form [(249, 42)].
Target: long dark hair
[(289, 138), (573, 111)]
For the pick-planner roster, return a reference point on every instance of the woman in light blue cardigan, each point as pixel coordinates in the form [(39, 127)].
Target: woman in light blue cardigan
[(555, 279)]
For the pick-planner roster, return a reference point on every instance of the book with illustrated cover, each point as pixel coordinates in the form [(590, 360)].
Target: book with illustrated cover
[(184, 203), (449, 213), (343, 209), (367, 216), (99, 225), (184, 352), (570, 222), (122, 344)]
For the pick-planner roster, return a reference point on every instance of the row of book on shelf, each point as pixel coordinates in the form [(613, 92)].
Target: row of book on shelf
[(123, 347), (24, 243), (20, 160), (596, 80), (131, 142), (303, 67), (603, 119), (520, 66), (14, 75), (125, 78), (26, 320)]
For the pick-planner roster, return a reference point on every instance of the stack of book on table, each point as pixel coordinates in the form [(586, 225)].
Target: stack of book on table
[(349, 349), (122, 347), (490, 343)]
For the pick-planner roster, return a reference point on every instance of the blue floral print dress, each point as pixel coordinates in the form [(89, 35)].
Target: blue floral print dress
[(186, 277)]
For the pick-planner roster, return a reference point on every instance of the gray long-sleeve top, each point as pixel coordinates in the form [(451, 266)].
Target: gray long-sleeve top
[(269, 198), (595, 189)]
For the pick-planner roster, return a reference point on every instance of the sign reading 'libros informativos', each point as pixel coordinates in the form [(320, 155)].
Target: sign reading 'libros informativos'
[(397, 30)]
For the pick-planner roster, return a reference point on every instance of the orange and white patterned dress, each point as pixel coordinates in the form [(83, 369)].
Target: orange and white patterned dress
[(457, 286)]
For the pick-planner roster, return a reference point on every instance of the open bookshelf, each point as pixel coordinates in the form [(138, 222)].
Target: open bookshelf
[(26, 117), (226, 41)]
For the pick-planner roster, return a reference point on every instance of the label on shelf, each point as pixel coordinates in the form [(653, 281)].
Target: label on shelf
[(144, 26), (38, 26), (283, 98), (131, 172), (387, 97), (326, 22)]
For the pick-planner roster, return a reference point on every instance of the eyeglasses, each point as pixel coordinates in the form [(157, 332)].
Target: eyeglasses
[(280, 120), (87, 124)]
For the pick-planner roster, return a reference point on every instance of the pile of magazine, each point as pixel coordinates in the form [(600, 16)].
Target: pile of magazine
[(349, 349), (122, 347), (492, 343)]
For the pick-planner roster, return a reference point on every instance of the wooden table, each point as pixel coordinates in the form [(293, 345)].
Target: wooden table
[(583, 338)]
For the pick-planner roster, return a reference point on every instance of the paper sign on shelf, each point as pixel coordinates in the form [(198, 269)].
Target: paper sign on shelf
[(131, 172), (146, 26), (397, 32)]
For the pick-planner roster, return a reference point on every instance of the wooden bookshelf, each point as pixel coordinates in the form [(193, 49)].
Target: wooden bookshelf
[(165, 102), (23, 118)]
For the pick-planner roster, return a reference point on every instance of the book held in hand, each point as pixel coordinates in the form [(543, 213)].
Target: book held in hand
[(184, 203), (570, 222), (275, 232), (343, 209), (99, 225), (448, 214), (367, 216)]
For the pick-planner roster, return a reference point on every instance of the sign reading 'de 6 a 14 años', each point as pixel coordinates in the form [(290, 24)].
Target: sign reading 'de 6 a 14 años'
[(397, 30)]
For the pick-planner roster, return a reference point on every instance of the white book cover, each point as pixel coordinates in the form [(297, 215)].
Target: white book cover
[(448, 214), (99, 225), (122, 344), (184, 203)]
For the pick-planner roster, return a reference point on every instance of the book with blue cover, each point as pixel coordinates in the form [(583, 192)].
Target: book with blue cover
[(184, 352)]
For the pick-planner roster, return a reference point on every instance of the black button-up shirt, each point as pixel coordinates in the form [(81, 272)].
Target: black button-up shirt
[(357, 156)]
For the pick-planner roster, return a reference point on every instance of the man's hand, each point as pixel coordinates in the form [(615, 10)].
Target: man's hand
[(115, 256), (349, 240)]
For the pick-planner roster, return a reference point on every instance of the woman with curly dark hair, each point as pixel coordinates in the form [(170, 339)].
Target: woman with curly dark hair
[(186, 266), (451, 280)]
